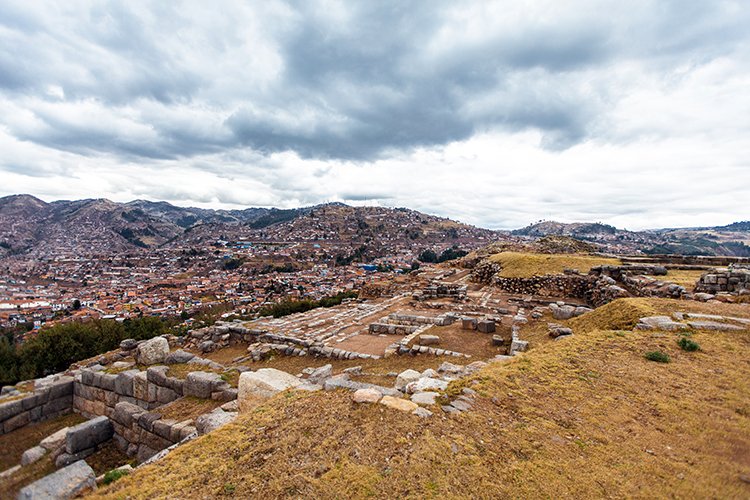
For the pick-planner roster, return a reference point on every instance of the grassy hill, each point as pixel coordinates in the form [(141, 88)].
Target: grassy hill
[(586, 416), (526, 265)]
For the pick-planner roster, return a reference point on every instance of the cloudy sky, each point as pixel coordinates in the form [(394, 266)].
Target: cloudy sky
[(498, 114)]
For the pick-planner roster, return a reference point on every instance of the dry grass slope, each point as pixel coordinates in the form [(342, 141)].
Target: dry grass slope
[(526, 265), (586, 416)]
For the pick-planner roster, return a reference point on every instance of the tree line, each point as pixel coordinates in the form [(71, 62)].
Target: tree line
[(54, 349)]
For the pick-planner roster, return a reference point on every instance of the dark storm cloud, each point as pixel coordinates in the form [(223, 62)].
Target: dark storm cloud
[(381, 77)]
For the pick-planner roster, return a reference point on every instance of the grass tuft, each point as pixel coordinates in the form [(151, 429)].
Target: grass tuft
[(658, 356)]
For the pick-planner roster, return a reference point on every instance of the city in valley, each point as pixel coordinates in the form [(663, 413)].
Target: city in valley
[(345, 249)]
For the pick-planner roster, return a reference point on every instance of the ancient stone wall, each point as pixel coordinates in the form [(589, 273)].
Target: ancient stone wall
[(52, 398), (142, 434), (729, 280), (97, 392)]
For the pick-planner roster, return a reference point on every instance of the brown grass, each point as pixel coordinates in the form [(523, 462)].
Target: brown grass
[(186, 408), (106, 458), (526, 265), (14, 444), (682, 277), (587, 416)]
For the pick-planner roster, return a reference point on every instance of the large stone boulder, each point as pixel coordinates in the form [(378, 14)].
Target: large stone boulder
[(399, 404), (32, 455), (55, 441), (406, 377), (426, 384), (152, 351), (65, 483), (319, 375), (262, 384), (88, 435), (211, 421)]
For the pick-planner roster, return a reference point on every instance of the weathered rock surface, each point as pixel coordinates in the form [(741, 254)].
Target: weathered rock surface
[(32, 455), (320, 374), (211, 421), (54, 441), (426, 384), (399, 404), (152, 351), (264, 383), (406, 377), (201, 384), (88, 435), (424, 398), (65, 483), (366, 396)]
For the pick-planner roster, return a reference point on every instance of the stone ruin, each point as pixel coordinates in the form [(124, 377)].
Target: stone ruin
[(439, 290), (732, 280)]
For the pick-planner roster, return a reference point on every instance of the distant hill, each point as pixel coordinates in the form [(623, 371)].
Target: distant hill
[(28, 224)]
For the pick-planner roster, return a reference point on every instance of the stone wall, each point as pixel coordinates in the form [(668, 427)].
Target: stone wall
[(440, 290), (391, 329), (221, 334), (730, 280), (97, 392), (142, 434), (52, 397)]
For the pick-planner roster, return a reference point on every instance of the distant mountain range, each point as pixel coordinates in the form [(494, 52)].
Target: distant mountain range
[(732, 239), (29, 225)]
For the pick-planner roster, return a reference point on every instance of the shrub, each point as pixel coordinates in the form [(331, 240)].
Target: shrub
[(114, 475), (688, 345), (658, 356)]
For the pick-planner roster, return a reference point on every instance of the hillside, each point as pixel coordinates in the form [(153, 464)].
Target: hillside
[(28, 224), (584, 417), (730, 240)]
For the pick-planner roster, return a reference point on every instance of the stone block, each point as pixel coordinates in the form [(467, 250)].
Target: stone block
[(157, 375), (469, 324), (264, 383), (429, 339), (140, 386), (211, 421), (366, 396), (146, 420), (10, 409), (70, 482), (399, 404), (32, 455), (55, 441), (16, 422), (486, 326), (155, 442), (406, 377), (152, 351), (165, 395), (107, 381), (201, 384), (88, 435), (63, 387), (124, 383), (320, 374), (163, 427), (126, 413)]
